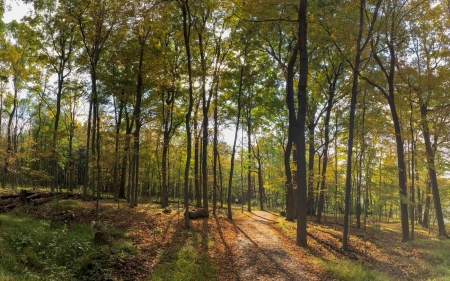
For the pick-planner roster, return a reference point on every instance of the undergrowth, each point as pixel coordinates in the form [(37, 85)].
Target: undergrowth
[(33, 249)]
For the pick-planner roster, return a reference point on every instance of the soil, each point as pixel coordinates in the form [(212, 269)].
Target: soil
[(262, 253)]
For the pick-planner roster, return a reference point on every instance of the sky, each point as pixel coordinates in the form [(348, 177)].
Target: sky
[(14, 10)]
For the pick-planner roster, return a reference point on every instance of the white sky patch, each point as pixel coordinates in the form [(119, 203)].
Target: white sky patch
[(15, 10)]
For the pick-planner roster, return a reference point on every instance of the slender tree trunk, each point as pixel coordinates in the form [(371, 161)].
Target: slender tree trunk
[(249, 156), (311, 150), (220, 180), (9, 137), (432, 172), (230, 181), (260, 182), (215, 153), (413, 173), (360, 47), (198, 194), (426, 212), (290, 207), (123, 173), (325, 156), (186, 32)]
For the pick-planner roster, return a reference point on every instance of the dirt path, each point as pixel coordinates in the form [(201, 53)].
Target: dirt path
[(263, 254)]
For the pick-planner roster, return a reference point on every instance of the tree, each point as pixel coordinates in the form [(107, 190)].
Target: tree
[(185, 9), (57, 35), (393, 36), (96, 21)]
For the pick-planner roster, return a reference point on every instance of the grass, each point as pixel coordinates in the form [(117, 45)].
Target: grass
[(33, 249), (438, 253), (189, 262), (348, 270)]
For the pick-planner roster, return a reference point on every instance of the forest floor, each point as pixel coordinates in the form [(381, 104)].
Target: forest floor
[(253, 246)]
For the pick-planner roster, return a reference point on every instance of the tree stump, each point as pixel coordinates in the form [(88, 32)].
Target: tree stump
[(199, 213)]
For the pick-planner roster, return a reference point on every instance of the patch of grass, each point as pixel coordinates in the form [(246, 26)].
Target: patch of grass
[(187, 263), (348, 270), (32, 249), (67, 205), (439, 257)]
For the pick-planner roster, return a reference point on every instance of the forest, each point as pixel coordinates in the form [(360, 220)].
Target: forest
[(201, 118)]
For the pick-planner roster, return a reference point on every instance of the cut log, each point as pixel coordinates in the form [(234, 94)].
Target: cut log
[(199, 213), (47, 194), (10, 196), (7, 208), (36, 195), (42, 200), (101, 237)]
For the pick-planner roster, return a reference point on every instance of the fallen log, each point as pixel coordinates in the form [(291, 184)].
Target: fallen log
[(47, 194), (7, 208), (10, 196), (199, 213), (42, 200), (36, 195)]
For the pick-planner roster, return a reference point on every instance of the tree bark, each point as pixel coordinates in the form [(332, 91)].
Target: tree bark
[(186, 34), (432, 171), (230, 181)]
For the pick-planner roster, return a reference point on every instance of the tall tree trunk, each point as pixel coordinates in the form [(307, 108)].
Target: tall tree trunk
[(360, 47), (230, 181), (361, 161), (260, 181), (138, 122), (198, 194), (290, 206), (220, 180), (290, 194), (426, 211), (184, 4), (299, 132), (123, 173), (311, 151), (249, 159), (88, 137), (116, 150), (167, 125), (331, 93), (9, 138), (432, 171), (215, 153), (413, 173), (401, 168)]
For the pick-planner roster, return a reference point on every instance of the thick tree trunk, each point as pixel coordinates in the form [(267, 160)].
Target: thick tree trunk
[(299, 133)]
